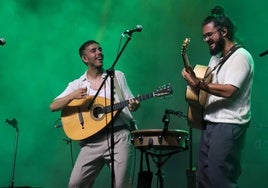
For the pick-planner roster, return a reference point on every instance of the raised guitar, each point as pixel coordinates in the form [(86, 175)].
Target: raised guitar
[(79, 122), (195, 99)]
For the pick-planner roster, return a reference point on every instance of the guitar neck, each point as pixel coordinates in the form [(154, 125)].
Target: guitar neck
[(121, 105), (186, 61)]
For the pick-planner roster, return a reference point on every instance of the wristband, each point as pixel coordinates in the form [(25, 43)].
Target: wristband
[(198, 84)]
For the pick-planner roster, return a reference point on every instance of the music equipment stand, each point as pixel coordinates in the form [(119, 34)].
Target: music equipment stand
[(191, 171), (160, 146), (14, 123), (159, 159)]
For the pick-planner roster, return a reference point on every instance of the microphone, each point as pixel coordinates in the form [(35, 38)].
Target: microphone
[(14, 123), (2, 41), (67, 140), (165, 120), (57, 126), (58, 123), (177, 113), (263, 53), (130, 31)]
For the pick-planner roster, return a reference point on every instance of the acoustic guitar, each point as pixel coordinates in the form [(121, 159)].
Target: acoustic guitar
[(196, 98), (79, 122)]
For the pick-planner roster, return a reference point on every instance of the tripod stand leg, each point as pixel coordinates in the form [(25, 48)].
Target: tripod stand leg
[(160, 177), (11, 184), (191, 172), (191, 177), (145, 177)]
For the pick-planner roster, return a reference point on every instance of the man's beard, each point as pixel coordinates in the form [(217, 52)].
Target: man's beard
[(219, 46)]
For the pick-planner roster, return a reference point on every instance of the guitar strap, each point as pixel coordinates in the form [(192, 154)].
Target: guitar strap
[(223, 59), (230, 52), (118, 90), (132, 122)]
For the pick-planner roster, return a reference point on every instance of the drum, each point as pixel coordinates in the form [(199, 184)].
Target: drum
[(159, 140)]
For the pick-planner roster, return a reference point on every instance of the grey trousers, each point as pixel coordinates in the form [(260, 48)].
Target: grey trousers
[(219, 160), (96, 153)]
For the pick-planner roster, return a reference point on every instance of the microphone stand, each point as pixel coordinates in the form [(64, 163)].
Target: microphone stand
[(14, 124), (191, 172), (110, 73), (263, 53), (69, 141)]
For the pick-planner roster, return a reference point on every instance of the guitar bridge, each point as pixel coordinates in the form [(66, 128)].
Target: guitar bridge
[(80, 117)]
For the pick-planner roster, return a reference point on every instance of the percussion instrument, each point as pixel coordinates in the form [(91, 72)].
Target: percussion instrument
[(160, 140)]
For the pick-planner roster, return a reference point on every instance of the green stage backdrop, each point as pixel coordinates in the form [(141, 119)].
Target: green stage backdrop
[(41, 56)]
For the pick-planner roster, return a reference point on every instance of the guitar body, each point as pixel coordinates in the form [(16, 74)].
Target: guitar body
[(196, 101), (193, 97), (79, 122)]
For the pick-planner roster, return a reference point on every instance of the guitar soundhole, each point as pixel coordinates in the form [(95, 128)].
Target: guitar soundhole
[(97, 112)]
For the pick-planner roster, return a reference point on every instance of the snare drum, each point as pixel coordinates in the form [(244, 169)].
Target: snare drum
[(157, 139)]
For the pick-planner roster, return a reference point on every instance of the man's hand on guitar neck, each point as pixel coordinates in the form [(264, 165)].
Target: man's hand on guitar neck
[(133, 105)]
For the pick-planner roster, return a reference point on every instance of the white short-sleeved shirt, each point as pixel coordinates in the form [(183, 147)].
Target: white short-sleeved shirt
[(83, 82), (238, 71)]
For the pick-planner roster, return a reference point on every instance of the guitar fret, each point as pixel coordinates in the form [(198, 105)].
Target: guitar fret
[(146, 96), (123, 104)]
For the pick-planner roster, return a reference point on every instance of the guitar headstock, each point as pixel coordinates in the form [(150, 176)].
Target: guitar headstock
[(184, 45), (163, 91)]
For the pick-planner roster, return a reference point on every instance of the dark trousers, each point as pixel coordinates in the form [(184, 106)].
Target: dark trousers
[(220, 154)]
